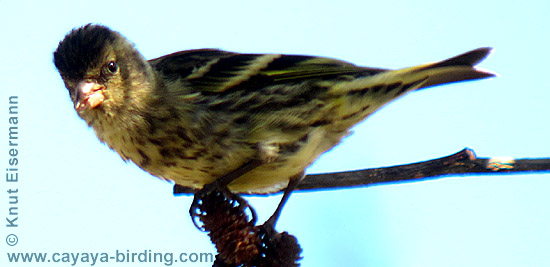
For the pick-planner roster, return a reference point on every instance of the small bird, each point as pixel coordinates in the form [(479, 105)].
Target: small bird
[(256, 121)]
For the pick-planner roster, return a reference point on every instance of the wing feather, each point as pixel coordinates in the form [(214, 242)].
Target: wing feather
[(215, 71)]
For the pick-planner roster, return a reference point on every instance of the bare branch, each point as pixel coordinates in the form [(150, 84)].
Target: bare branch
[(461, 163)]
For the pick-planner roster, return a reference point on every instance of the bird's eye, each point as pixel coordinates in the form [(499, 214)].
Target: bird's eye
[(112, 67)]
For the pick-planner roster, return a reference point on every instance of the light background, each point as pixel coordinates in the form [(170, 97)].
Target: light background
[(78, 196)]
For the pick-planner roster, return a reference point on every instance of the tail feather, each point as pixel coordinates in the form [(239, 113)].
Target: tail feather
[(470, 58), (455, 69)]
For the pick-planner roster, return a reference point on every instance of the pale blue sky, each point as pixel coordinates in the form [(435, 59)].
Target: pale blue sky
[(78, 196)]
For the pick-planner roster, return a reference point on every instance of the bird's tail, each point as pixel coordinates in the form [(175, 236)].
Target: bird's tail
[(370, 93), (455, 69)]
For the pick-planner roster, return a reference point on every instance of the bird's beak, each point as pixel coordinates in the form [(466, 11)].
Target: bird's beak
[(88, 95)]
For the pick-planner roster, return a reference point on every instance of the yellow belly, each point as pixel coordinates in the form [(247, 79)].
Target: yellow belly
[(267, 178)]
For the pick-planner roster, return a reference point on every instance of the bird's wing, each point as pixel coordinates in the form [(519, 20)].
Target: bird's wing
[(210, 70)]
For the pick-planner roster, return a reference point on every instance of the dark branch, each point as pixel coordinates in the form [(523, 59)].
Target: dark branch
[(462, 163)]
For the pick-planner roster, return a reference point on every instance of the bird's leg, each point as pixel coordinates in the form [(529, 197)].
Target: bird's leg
[(219, 186), (267, 152), (269, 225)]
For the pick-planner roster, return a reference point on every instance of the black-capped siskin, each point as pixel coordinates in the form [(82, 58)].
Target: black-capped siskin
[(194, 116)]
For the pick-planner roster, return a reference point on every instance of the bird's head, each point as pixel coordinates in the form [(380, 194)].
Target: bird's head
[(102, 70)]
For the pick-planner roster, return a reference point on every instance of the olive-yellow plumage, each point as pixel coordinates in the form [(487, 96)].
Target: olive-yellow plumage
[(194, 116)]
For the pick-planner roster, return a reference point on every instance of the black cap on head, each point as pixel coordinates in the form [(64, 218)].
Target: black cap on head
[(82, 49)]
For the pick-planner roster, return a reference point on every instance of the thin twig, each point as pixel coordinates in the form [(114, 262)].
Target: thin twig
[(463, 162)]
